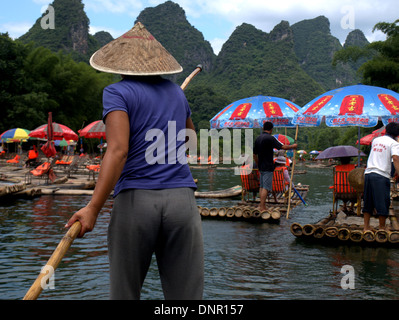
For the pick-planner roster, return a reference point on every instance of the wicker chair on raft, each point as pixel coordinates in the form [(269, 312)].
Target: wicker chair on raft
[(342, 190), (45, 170), (250, 182)]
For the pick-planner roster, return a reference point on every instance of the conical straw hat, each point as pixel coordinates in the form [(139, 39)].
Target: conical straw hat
[(135, 53)]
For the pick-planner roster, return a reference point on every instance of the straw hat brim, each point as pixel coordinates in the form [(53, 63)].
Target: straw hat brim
[(135, 53)]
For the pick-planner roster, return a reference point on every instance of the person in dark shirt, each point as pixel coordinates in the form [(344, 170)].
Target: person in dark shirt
[(263, 156)]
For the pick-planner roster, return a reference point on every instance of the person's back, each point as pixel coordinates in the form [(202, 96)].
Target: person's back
[(380, 157), (158, 110), (264, 146)]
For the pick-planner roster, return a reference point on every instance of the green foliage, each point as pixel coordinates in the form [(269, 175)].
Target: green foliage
[(383, 68), (44, 81), (47, 70), (314, 47)]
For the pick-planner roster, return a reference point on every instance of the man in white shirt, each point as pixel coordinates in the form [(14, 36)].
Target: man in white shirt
[(384, 151)]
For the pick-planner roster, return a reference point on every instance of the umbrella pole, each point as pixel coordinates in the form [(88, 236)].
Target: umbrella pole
[(358, 147), (292, 176)]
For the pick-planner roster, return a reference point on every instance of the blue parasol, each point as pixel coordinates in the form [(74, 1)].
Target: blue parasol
[(252, 112)]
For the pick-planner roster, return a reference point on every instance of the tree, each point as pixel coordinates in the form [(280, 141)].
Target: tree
[(383, 69)]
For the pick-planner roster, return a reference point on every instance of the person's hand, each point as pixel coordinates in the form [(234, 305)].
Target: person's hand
[(87, 218), (295, 146)]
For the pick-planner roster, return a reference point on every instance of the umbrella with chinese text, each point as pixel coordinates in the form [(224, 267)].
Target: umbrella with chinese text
[(254, 111), (95, 129), (357, 105)]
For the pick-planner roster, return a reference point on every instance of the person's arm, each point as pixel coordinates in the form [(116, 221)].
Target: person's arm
[(289, 146), (256, 159), (396, 163), (117, 132)]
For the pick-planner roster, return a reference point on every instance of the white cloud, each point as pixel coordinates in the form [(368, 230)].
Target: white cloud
[(267, 14), (217, 44), (129, 7), (15, 30), (114, 33)]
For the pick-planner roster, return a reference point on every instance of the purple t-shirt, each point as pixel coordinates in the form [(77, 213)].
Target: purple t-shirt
[(157, 110)]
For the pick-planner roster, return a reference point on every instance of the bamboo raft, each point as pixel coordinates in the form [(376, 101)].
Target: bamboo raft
[(248, 210), (348, 230), (226, 193), (242, 213), (281, 199)]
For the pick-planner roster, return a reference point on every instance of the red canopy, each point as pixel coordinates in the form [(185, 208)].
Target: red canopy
[(59, 132), (366, 140), (95, 129), (48, 148)]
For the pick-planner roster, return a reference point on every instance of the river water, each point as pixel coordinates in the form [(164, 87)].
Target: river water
[(243, 260)]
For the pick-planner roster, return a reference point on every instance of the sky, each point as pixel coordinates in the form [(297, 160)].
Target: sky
[(216, 19)]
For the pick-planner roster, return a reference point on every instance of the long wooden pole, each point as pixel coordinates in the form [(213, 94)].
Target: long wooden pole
[(53, 262), (292, 175), (197, 70)]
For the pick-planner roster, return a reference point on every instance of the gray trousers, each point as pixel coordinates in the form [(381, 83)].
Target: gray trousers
[(166, 222)]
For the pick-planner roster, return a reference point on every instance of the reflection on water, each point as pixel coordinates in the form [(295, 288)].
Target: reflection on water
[(242, 260)]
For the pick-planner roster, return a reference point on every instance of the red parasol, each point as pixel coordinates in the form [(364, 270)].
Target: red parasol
[(49, 149), (95, 129), (59, 132), (366, 140)]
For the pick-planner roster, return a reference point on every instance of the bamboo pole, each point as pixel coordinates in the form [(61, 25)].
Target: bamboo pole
[(356, 235), (331, 232), (296, 229), (381, 236), (308, 229), (37, 287), (292, 175), (319, 232), (343, 234), (197, 70), (369, 236)]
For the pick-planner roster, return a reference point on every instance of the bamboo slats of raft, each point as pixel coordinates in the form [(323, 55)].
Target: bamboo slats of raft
[(243, 213), (329, 231), (12, 189)]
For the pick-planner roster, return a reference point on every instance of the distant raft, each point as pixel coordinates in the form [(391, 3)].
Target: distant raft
[(225, 193), (244, 213), (332, 230)]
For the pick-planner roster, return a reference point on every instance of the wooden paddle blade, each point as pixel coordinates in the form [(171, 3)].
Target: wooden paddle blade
[(53, 262)]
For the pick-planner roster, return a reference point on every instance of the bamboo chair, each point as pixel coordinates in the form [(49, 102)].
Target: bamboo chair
[(15, 160), (249, 182), (45, 170), (78, 162), (279, 183), (93, 169), (342, 190)]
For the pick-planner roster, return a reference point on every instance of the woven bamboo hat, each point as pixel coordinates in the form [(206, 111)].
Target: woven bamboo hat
[(356, 179), (135, 53)]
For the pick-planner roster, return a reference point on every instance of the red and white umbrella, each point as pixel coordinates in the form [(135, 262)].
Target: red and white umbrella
[(95, 129), (60, 132), (366, 140)]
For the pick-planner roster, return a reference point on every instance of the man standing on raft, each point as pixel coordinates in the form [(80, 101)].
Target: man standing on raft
[(263, 156), (377, 183)]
